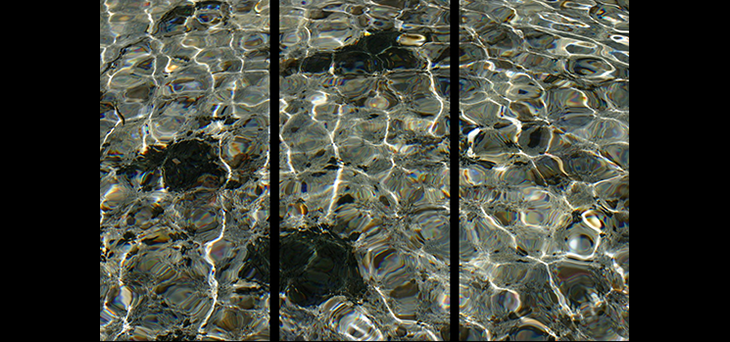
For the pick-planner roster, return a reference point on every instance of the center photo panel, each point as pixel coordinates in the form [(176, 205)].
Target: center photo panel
[(364, 210)]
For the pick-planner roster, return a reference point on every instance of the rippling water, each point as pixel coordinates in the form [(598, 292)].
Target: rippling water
[(184, 195), (364, 169), (544, 149), (364, 129)]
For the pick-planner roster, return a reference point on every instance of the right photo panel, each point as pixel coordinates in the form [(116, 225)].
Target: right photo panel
[(544, 170)]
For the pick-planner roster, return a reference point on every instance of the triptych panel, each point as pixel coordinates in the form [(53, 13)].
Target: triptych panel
[(365, 237)]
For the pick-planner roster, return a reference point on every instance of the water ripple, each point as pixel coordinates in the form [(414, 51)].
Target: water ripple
[(544, 95)]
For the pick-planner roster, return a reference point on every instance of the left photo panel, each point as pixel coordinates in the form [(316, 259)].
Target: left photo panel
[(184, 170)]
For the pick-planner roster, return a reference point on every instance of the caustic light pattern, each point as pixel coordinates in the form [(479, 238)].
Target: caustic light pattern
[(544, 176), (184, 158), (364, 167)]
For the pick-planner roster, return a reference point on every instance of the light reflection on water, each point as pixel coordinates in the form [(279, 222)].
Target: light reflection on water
[(544, 184), (544, 99), (184, 182), (364, 125)]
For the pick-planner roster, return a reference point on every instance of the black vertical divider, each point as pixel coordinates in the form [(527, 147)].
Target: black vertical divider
[(454, 153), (274, 174)]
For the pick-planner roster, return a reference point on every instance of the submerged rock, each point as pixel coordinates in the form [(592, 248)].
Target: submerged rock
[(315, 266)]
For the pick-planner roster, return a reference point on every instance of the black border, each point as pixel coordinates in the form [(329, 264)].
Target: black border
[(274, 221), (455, 19)]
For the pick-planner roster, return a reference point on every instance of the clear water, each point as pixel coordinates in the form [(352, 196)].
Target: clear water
[(184, 170), (364, 170), (364, 157), (544, 183)]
